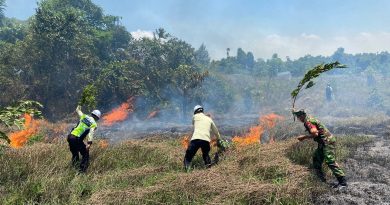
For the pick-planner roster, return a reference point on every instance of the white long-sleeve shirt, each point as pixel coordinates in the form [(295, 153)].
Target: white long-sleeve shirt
[(203, 127)]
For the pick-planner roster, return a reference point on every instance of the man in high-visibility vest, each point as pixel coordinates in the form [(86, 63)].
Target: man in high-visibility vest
[(326, 147), (84, 129), (203, 127)]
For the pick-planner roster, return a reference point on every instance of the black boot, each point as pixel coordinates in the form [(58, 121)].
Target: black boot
[(342, 181), (341, 185), (216, 158), (187, 165)]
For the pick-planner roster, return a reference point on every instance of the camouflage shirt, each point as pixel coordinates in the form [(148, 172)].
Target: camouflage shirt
[(323, 133)]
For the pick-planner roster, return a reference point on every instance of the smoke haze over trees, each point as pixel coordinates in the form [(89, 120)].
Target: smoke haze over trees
[(68, 45)]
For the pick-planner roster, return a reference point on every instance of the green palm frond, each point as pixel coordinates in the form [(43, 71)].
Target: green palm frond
[(312, 74)]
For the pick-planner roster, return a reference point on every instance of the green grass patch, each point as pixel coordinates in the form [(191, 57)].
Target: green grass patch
[(34, 139)]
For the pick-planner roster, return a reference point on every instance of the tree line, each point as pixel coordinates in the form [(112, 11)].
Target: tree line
[(68, 46)]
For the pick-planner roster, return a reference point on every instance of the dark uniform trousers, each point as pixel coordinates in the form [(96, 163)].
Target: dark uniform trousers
[(76, 146), (193, 148)]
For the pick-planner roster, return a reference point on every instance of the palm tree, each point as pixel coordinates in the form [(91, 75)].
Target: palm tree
[(2, 8)]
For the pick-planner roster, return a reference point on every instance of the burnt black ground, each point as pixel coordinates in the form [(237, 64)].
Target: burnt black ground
[(368, 176)]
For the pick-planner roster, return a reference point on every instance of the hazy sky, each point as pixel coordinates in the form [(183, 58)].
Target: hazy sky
[(288, 27)]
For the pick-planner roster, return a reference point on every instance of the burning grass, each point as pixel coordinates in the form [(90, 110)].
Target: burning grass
[(20, 138), (120, 113), (37, 131), (150, 172), (266, 124)]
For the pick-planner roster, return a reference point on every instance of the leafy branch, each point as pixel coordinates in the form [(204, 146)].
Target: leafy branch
[(12, 115), (4, 136), (312, 74), (88, 97)]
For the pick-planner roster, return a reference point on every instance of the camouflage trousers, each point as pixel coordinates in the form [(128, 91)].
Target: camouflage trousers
[(326, 152)]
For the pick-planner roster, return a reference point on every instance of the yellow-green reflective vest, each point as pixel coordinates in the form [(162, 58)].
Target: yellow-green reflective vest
[(85, 124)]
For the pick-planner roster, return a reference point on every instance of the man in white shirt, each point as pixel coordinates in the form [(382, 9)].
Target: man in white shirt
[(203, 128)]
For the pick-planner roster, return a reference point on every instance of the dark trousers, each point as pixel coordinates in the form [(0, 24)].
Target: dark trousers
[(76, 146), (193, 148)]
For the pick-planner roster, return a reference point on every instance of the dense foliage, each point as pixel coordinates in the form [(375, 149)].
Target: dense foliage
[(68, 45)]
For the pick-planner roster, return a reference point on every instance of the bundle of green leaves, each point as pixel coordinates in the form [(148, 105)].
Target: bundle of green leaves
[(88, 97)]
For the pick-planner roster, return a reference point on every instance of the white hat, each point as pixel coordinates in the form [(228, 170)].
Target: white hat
[(197, 107), (97, 113)]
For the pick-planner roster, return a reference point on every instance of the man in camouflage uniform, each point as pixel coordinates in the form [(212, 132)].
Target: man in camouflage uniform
[(326, 147)]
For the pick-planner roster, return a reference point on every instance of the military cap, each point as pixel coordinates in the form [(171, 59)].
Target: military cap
[(299, 112)]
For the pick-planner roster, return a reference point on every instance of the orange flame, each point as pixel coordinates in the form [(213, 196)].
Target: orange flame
[(270, 120), (267, 122), (185, 141), (152, 115), (119, 114), (20, 138), (103, 144)]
